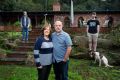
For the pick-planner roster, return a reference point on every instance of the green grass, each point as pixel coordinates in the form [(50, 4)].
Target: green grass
[(78, 70)]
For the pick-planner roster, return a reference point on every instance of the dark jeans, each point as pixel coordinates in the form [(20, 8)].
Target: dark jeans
[(61, 70), (43, 73), (25, 33)]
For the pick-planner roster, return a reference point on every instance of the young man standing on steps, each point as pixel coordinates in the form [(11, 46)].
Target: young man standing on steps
[(93, 28), (25, 23)]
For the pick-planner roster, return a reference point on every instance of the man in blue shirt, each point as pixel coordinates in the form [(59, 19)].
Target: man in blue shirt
[(25, 23), (61, 50)]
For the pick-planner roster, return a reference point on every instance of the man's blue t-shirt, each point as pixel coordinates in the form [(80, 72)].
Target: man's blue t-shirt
[(60, 41)]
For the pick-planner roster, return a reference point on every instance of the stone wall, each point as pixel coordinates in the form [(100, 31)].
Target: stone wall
[(101, 17)]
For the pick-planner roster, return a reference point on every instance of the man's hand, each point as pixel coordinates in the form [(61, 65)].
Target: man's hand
[(40, 67), (64, 60), (67, 53), (87, 34)]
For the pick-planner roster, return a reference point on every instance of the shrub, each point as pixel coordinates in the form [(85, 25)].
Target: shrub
[(8, 37), (17, 23), (115, 35)]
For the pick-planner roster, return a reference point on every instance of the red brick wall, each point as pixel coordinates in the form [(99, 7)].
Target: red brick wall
[(101, 18), (83, 30), (56, 6)]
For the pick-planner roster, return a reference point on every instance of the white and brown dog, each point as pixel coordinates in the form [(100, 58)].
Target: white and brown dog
[(100, 57)]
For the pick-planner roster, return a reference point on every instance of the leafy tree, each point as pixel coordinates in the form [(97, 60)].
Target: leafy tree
[(43, 5), (19, 5), (8, 5)]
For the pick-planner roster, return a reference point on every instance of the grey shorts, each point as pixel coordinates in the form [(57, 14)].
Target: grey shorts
[(92, 37)]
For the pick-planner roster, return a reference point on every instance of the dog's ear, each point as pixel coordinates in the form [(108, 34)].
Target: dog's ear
[(93, 53), (89, 52), (101, 55)]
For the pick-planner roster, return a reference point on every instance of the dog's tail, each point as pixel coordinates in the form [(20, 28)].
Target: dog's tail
[(108, 66)]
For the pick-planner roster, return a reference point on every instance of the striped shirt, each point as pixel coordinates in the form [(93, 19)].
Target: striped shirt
[(43, 50)]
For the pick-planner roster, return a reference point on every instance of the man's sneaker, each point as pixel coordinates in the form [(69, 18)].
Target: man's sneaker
[(23, 41), (26, 41)]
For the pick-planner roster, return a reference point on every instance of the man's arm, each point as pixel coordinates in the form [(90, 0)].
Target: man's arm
[(67, 53), (98, 29), (87, 27), (29, 22), (21, 22), (87, 30)]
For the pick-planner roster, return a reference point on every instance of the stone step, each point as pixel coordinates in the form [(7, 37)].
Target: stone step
[(22, 52), (36, 29), (29, 43), (33, 36), (16, 55), (16, 61), (32, 39), (35, 32), (24, 48)]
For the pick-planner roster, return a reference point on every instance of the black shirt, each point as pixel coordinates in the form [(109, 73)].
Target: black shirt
[(92, 24)]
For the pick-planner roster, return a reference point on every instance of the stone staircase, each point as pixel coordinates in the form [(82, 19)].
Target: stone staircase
[(20, 54), (24, 51)]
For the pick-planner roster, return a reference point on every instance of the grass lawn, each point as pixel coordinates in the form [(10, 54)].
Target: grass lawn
[(78, 70)]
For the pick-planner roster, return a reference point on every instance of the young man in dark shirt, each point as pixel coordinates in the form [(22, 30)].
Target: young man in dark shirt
[(93, 32)]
